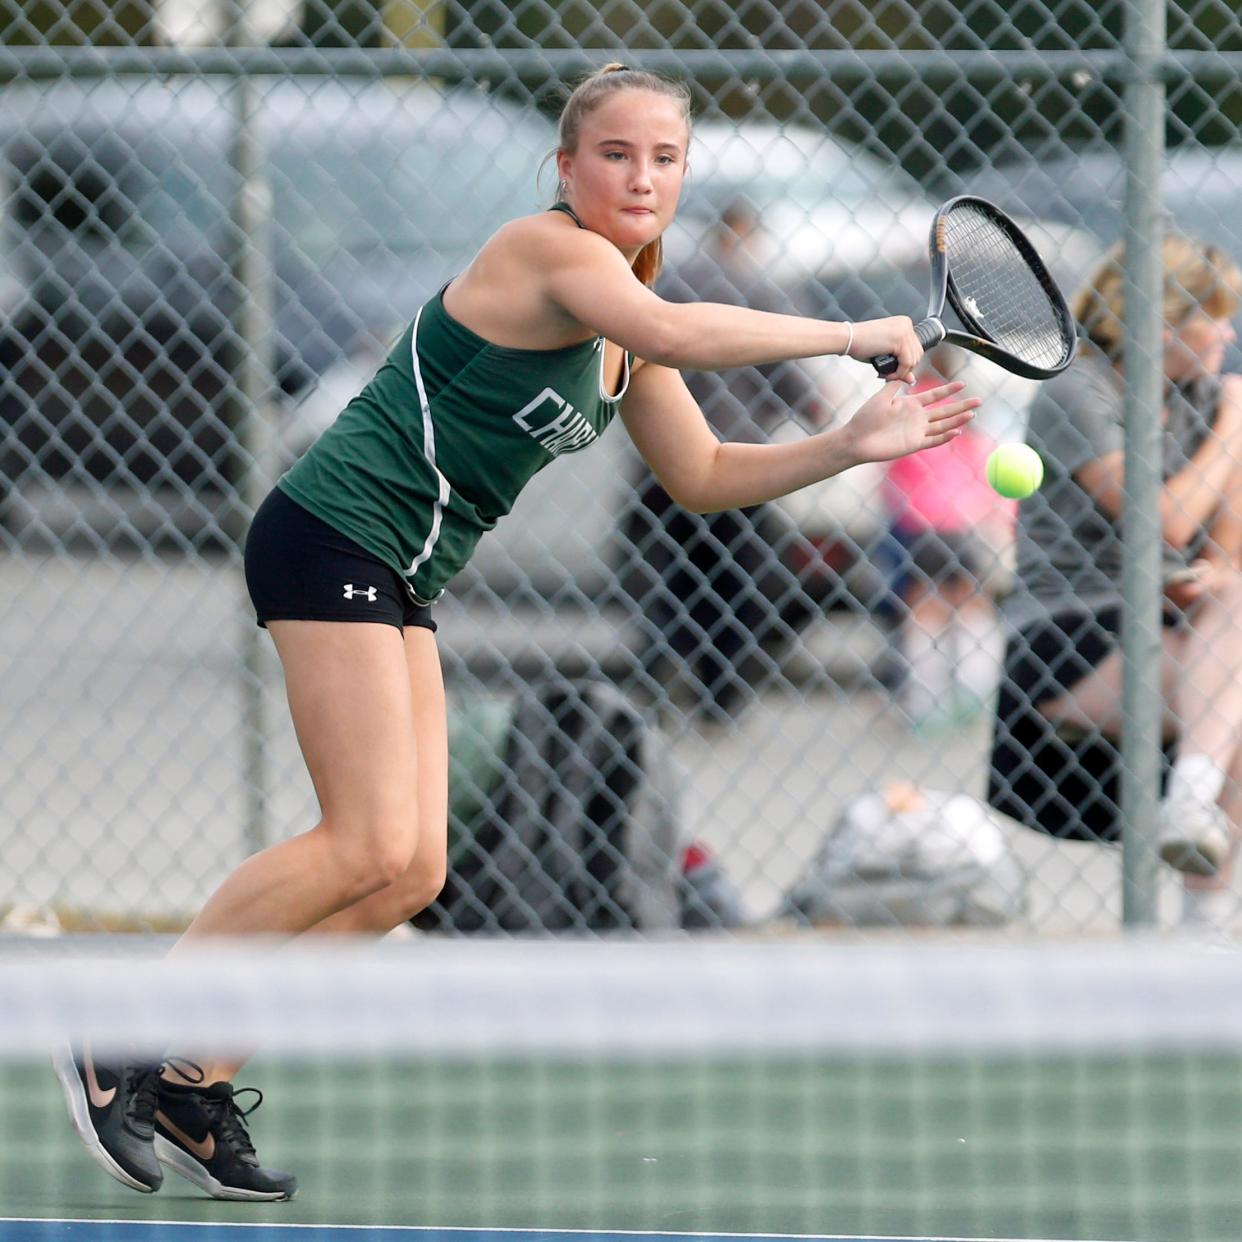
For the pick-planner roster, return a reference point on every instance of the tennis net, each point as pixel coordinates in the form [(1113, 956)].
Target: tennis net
[(971, 1089)]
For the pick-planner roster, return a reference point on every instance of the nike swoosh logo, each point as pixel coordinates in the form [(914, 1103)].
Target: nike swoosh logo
[(204, 1149), (99, 1097)]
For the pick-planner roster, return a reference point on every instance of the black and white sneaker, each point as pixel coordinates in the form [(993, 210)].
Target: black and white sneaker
[(1193, 836), (112, 1107), (200, 1132)]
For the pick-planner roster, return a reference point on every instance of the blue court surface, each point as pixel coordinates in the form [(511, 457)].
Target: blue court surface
[(12, 1230)]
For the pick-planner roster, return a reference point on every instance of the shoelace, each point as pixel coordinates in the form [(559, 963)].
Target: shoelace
[(142, 1087), (230, 1119), (189, 1070)]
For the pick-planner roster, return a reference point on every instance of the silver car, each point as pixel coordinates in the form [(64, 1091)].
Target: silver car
[(118, 353)]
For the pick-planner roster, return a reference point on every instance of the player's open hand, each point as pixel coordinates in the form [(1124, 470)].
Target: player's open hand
[(897, 421)]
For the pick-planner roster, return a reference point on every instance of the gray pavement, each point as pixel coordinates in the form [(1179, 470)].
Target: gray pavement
[(122, 789)]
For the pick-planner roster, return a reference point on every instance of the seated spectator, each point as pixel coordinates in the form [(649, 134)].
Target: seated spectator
[(1055, 763)]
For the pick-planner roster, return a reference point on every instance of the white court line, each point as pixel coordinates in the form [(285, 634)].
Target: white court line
[(529, 1233)]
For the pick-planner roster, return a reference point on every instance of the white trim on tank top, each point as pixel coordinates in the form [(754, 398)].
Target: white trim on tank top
[(429, 451)]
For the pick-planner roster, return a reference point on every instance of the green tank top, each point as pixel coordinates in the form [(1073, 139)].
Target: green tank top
[(438, 445)]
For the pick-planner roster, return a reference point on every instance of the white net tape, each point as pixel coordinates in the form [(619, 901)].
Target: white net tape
[(619, 998)]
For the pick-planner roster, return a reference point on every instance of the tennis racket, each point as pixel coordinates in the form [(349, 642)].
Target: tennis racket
[(988, 272)]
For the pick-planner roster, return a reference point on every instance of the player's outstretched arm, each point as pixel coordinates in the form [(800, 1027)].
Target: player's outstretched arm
[(703, 475), (591, 282)]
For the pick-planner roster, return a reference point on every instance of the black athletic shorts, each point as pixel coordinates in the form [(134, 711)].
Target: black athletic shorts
[(298, 568), (1054, 780)]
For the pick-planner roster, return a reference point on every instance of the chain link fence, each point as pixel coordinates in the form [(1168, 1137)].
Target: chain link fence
[(217, 217)]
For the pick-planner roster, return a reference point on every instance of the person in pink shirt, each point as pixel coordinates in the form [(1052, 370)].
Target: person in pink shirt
[(946, 529)]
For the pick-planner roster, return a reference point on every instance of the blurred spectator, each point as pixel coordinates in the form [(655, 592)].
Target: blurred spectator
[(947, 528), (1055, 762), (714, 589)]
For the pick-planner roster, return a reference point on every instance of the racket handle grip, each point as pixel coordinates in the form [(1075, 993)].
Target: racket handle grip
[(930, 332)]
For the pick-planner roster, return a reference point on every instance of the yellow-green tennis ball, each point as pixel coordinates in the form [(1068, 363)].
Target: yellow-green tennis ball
[(1015, 470)]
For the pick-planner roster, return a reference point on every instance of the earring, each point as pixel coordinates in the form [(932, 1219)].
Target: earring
[(561, 188)]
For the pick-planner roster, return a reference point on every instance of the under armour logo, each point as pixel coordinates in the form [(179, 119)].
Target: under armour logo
[(367, 593)]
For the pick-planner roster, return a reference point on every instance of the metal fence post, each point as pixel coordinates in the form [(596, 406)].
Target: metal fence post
[(253, 339), (1141, 640)]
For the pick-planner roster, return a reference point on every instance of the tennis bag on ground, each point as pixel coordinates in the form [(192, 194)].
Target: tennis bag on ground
[(583, 829), (911, 857)]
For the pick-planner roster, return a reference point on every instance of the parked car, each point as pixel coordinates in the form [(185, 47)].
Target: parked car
[(118, 410), (828, 205), (117, 356), (1199, 189)]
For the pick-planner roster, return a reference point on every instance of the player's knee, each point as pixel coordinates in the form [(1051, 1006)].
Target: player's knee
[(392, 861), (425, 884), (370, 857)]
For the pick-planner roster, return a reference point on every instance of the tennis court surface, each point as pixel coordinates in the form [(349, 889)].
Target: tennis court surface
[(473, 1092)]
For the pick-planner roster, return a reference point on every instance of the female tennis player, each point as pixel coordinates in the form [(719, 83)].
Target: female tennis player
[(525, 356)]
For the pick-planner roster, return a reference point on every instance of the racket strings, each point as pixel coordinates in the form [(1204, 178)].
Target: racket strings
[(997, 292)]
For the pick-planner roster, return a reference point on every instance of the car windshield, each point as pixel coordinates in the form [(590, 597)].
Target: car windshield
[(791, 167), (379, 199)]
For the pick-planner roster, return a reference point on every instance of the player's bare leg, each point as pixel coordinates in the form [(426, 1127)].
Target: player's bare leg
[(350, 696), (368, 707)]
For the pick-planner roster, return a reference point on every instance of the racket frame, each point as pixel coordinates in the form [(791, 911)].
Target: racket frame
[(931, 330)]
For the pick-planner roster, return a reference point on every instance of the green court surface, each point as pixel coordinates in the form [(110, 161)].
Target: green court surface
[(1084, 1146)]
